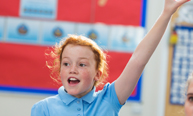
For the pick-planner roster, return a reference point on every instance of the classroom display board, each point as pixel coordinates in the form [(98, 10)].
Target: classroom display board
[(182, 64), (29, 27)]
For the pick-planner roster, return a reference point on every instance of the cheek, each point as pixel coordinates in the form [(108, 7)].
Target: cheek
[(63, 73), (188, 108), (87, 75)]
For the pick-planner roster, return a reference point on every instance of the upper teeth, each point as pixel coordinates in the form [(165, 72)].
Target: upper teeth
[(73, 79)]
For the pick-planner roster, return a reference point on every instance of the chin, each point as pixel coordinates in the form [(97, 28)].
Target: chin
[(73, 93)]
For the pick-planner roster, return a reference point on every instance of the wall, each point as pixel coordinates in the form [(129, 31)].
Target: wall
[(153, 83)]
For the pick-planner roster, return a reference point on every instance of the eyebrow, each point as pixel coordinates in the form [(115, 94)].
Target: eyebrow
[(64, 57), (78, 58), (190, 94)]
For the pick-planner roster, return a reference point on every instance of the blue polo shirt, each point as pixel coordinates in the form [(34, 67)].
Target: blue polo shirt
[(101, 103)]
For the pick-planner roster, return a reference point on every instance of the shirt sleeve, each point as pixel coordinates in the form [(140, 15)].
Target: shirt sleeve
[(38, 109), (112, 96)]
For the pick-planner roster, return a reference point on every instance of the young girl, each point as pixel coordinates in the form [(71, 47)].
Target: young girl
[(188, 106), (81, 65)]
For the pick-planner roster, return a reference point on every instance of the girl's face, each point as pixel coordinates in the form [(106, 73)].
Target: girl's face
[(78, 70), (188, 106)]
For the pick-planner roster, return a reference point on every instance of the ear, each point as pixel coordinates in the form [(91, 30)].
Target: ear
[(98, 75)]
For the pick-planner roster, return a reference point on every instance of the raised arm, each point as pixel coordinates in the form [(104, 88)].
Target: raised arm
[(127, 81)]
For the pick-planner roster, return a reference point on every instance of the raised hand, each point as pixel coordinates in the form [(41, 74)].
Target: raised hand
[(171, 6)]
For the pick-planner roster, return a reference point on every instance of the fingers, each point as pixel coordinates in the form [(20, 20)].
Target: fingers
[(180, 2), (172, 5)]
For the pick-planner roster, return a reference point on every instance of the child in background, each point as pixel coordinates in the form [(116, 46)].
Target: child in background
[(188, 106), (81, 65)]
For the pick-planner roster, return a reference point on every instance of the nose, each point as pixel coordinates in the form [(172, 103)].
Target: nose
[(73, 69)]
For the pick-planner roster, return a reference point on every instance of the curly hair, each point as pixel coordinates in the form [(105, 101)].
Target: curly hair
[(56, 55)]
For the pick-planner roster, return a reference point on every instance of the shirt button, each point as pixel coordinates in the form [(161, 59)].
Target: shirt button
[(77, 101), (78, 109)]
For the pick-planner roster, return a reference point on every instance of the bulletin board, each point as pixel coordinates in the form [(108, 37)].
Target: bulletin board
[(29, 27), (180, 60)]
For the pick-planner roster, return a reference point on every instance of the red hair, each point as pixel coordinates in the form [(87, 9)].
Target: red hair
[(56, 54)]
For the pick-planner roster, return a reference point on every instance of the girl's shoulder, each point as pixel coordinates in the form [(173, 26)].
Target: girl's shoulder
[(46, 100)]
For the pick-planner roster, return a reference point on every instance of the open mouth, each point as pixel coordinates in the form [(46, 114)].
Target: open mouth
[(72, 80)]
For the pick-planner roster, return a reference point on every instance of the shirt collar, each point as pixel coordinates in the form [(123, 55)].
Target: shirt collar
[(89, 97), (67, 98)]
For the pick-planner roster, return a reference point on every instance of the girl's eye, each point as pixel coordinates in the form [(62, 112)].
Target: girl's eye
[(190, 99), (82, 65), (65, 64)]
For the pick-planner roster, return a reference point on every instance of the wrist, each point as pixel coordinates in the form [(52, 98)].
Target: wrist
[(166, 14)]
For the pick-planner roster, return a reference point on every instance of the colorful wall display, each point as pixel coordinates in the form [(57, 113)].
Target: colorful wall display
[(182, 64), (98, 32), (38, 8), (2, 26), (22, 30), (125, 38), (53, 32), (29, 33)]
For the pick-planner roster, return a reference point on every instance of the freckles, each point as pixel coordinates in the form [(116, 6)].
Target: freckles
[(85, 73), (63, 73)]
